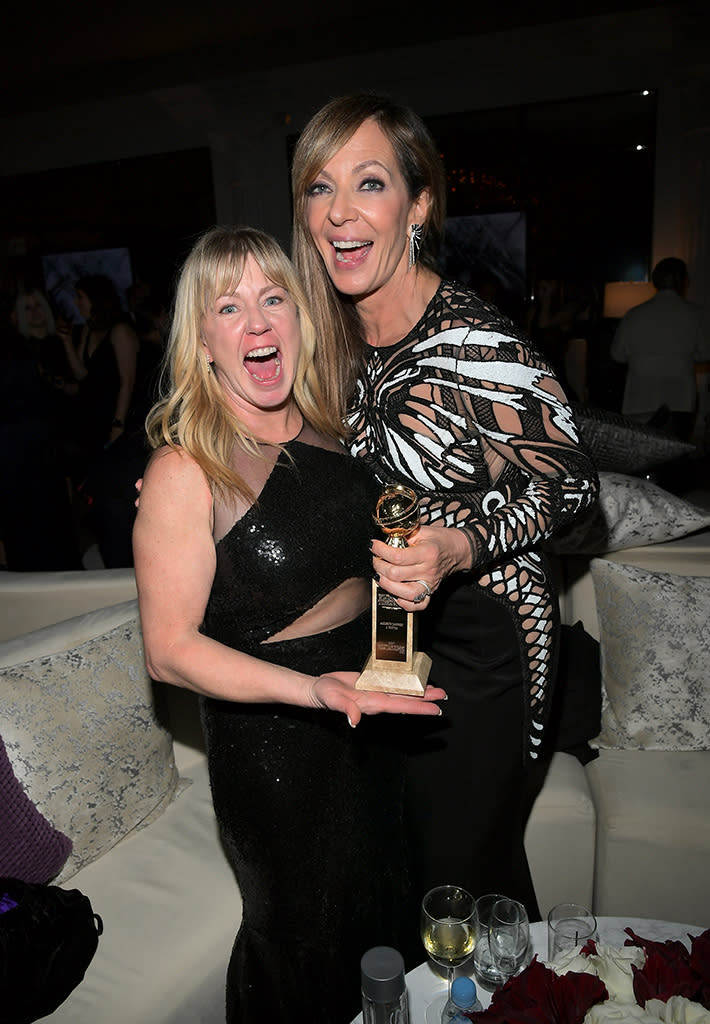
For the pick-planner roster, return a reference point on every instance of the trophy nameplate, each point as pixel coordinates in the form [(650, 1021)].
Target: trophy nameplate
[(395, 666)]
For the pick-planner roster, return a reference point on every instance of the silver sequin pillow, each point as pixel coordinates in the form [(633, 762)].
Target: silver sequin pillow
[(79, 726), (655, 657), (629, 513)]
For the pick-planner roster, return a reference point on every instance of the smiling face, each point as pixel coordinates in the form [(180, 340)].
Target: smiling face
[(359, 212), (252, 336), (35, 314)]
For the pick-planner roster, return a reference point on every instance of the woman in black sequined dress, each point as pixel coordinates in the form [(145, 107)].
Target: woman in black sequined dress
[(253, 569)]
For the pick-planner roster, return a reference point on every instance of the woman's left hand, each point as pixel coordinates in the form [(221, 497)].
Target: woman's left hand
[(412, 574), (336, 691)]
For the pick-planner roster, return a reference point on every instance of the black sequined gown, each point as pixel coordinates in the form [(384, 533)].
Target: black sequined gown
[(309, 809)]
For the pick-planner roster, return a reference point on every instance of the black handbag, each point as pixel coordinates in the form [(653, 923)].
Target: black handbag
[(48, 937)]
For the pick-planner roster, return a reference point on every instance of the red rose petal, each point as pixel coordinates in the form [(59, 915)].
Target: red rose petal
[(539, 996)]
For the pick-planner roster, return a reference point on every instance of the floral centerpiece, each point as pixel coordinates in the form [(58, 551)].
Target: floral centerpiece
[(643, 981)]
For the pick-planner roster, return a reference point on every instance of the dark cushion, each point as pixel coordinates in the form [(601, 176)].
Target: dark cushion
[(620, 445), (31, 850)]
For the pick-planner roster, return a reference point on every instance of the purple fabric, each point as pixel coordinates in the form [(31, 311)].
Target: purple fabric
[(31, 850), (7, 903)]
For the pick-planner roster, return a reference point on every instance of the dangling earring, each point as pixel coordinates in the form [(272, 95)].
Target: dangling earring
[(416, 232)]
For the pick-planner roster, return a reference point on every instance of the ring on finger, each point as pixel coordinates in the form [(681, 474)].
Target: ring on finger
[(424, 594)]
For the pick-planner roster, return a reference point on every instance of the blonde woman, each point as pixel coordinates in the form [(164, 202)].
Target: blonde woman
[(253, 568)]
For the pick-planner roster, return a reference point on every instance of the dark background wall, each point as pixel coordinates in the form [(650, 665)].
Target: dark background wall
[(139, 128)]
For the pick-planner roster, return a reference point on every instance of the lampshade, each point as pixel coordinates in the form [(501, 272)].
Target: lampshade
[(621, 296)]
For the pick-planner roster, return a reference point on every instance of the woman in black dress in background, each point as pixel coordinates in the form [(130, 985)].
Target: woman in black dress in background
[(103, 354), (253, 569)]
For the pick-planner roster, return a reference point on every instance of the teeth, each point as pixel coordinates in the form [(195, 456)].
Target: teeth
[(256, 353), (349, 245)]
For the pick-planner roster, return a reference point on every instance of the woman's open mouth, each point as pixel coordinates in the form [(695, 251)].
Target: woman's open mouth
[(350, 252), (263, 364)]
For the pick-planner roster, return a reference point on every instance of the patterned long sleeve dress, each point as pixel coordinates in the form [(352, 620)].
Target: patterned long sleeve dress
[(469, 415)]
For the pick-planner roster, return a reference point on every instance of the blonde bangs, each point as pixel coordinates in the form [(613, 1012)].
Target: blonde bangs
[(194, 413)]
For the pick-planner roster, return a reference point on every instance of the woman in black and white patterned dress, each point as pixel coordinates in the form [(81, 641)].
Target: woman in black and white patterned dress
[(443, 393)]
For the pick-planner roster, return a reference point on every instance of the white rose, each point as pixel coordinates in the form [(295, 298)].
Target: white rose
[(610, 964), (679, 1010), (613, 1011), (613, 966), (570, 960)]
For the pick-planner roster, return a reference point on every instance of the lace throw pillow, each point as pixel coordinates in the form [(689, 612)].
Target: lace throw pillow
[(655, 658), (81, 732), (629, 513)]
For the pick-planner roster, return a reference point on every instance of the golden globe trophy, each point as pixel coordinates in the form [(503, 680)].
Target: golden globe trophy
[(395, 666)]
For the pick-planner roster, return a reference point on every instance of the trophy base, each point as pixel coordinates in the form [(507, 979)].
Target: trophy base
[(393, 677)]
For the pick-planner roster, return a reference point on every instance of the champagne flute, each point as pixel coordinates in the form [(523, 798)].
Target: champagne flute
[(448, 926), (509, 936)]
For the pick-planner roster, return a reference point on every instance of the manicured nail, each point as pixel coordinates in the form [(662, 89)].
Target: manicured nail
[(376, 577), (350, 722)]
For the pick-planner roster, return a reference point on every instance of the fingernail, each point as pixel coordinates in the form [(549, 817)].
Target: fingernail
[(350, 722), (371, 544), (376, 577)]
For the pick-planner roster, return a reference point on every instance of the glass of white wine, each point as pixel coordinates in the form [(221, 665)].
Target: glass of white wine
[(448, 926)]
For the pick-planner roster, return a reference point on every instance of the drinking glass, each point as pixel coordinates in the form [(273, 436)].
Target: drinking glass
[(486, 972), (569, 925), (448, 926), (509, 936)]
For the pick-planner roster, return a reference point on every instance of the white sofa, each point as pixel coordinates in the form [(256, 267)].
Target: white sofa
[(652, 854), (166, 895), (628, 834)]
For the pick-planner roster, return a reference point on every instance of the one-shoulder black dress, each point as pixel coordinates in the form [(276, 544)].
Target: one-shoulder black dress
[(310, 810)]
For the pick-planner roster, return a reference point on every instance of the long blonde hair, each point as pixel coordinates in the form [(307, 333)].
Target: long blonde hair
[(194, 413), (339, 359)]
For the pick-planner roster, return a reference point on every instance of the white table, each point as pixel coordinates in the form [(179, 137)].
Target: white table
[(425, 985)]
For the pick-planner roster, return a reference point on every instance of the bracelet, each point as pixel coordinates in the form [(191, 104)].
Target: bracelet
[(117, 423), (472, 544)]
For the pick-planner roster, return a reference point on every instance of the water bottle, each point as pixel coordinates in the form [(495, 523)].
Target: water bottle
[(463, 997), (384, 992)]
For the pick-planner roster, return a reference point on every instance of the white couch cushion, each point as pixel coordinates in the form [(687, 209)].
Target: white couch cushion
[(31, 600), (653, 834), (171, 910), (81, 732), (687, 556), (655, 658), (559, 836)]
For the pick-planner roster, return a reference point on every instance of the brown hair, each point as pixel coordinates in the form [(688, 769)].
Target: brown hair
[(335, 317), (670, 273)]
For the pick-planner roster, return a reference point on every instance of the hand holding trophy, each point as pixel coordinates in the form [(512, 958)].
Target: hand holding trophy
[(395, 666)]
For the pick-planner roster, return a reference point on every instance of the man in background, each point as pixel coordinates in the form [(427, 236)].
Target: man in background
[(661, 340)]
